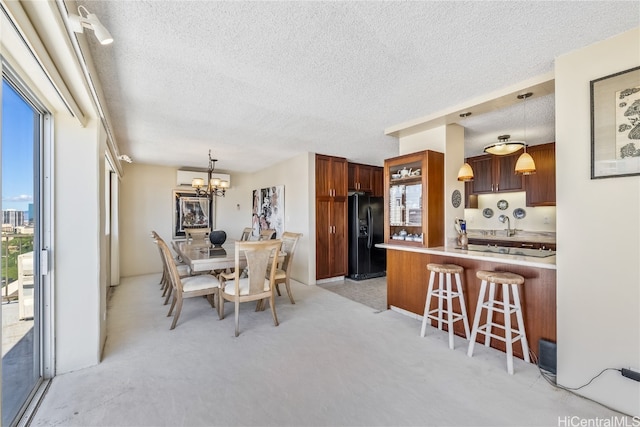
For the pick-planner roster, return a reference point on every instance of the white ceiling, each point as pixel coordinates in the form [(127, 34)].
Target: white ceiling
[(259, 82)]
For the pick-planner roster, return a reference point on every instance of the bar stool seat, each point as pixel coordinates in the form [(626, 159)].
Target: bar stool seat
[(445, 294), (509, 281)]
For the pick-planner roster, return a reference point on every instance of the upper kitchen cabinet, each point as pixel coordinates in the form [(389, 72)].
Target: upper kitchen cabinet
[(414, 199), (541, 186), (331, 176), (365, 178), (495, 174), (360, 177), (377, 182)]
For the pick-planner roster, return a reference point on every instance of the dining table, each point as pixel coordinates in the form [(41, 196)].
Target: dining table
[(202, 256)]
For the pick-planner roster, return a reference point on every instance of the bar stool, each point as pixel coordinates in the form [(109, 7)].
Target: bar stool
[(506, 307), (445, 294)]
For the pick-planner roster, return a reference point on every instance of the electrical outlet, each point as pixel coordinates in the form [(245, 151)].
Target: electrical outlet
[(546, 220)]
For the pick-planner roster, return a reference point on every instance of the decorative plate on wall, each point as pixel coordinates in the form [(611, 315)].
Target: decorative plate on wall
[(487, 212), (519, 213), (503, 204), (456, 198)]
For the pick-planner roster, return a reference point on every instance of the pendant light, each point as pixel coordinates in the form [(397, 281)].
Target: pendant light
[(525, 164), (465, 173)]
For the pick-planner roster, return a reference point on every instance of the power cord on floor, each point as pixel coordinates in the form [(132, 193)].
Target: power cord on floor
[(551, 379)]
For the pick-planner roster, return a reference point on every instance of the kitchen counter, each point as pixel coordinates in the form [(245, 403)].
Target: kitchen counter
[(408, 278), (548, 262)]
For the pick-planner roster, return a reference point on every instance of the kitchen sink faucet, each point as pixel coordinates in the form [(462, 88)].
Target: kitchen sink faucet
[(503, 219)]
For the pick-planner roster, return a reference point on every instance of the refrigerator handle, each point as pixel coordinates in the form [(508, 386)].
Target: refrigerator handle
[(370, 227)]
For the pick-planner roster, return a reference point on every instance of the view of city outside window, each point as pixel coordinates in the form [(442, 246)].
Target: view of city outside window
[(20, 127)]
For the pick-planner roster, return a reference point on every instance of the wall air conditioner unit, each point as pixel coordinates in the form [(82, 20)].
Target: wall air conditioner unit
[(184, 178)]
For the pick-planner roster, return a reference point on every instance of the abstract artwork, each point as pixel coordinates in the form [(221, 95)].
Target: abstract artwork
[(615, 125), (268, 210)]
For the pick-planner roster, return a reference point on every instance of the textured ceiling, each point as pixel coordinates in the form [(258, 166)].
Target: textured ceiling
[(259, 82)]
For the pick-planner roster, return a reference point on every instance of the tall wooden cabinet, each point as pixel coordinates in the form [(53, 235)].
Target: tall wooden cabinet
[(331, 216), (414, 203)]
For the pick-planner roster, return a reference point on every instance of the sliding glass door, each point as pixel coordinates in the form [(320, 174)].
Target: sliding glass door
[(21, 144)]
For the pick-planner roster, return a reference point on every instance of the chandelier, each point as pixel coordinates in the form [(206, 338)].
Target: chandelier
[(213, 186)]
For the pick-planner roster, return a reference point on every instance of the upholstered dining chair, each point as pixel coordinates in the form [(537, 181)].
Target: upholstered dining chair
[(260, 256), (283, 273), (267, 234), (193, 286), (165, 281), (246, 234)]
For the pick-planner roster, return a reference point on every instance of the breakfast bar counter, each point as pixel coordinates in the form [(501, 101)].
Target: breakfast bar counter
[(408, 279)]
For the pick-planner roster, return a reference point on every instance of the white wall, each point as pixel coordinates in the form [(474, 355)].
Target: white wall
[(146, 205), (599, 233), (77, 260)]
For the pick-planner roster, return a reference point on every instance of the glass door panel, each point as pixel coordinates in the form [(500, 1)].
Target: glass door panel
[(20, 143)]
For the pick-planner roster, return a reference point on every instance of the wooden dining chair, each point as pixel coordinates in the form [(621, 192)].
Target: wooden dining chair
[(193, 286), (267, 234), (257, 286), (165, 281), (197, 233), (246, 234), (283, 273)]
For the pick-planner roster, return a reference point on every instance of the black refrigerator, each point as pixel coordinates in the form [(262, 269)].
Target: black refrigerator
[(366, 228)]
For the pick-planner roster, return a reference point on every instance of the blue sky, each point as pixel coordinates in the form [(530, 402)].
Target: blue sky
[(17, 150)]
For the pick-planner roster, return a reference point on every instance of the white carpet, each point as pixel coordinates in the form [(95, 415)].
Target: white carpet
[(331, 361)]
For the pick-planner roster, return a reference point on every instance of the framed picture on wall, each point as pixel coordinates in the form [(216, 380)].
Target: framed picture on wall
[(189, 211), (615, 125)]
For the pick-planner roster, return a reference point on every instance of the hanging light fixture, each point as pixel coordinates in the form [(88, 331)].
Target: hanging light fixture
[(504, 146), (465, 173), (214, 186), (80, 22), (525, 164)]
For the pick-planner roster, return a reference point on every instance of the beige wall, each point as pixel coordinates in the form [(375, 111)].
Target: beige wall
[(599, 232), (448, 139), (146, 204)]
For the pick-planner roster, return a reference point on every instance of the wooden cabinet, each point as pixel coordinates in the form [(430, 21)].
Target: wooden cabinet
[(331, 216), (512, 243), (414, 204), (331, 176), (541, 186), (360, 177), (366, 178), (495, 174), (377, 182)]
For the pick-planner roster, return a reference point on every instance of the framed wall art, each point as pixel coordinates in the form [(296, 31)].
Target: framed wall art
[(190, 211), (268, 210), (615, 125)]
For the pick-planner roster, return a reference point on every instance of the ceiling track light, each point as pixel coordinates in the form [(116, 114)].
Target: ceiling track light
[(79, 22)]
